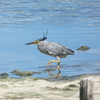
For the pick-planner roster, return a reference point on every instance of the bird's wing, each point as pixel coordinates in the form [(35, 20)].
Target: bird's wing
[(55, 48), (49, 51)]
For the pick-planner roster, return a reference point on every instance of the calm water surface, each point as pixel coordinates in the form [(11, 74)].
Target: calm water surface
[(72, 23)]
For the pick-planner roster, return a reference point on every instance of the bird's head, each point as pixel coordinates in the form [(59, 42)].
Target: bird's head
[(38, 40)]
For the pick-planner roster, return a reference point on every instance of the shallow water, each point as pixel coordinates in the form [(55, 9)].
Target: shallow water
[(72, 23)]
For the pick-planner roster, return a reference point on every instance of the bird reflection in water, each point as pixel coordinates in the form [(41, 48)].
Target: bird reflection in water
[(57, 74), (53, 49), (52, 75)]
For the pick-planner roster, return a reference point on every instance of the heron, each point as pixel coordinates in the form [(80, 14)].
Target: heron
[(52, 48)]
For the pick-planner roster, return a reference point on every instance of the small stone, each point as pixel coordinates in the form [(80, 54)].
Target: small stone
[(23, 73), (16, 72), (4, 74), (26, 73), (83, 48)]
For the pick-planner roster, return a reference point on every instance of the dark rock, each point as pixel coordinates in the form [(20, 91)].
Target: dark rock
[(16, 72), (23, 73), (26, 73), (4, 74), (83, 48)]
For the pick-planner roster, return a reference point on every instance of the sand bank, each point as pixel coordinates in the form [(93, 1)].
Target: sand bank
[(45, 88)]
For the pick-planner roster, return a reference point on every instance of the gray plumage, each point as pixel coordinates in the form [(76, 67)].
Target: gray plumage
[(54, 49)]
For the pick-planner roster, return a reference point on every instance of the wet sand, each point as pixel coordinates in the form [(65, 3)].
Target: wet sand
[(30, 88)]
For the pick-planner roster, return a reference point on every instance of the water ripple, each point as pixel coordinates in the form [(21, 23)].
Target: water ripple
[(53, 12)]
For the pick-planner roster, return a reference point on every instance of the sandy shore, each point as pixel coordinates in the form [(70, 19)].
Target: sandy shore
[(45, 88)]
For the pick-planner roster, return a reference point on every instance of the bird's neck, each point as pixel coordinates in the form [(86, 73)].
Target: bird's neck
[(40, 43)]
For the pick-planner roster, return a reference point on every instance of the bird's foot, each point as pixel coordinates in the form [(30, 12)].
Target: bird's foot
[(52, 61)]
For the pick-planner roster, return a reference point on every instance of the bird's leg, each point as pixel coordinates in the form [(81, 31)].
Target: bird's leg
[(58, 69), (58, 66), (53, 61)]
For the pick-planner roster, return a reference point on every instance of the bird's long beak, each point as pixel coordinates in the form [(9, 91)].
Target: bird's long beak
[(30, 43)]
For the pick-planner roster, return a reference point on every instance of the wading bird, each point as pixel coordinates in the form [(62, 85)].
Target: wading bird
[(51, 48)]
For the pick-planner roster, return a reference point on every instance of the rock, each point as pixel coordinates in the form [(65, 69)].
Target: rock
[(83, 48), (26, 73), (4, 74), (16, 72), (23, 73)]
